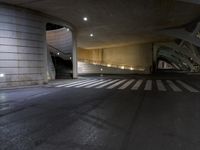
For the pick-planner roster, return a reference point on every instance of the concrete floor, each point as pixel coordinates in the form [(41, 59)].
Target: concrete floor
[(50, 118)]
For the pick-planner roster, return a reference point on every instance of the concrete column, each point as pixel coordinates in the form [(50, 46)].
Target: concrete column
[(155, 63), (45, 59), (74, 56), (22, 47)]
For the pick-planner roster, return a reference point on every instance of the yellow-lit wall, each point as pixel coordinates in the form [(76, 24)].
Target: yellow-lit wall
[(137, 56), (93, 55)]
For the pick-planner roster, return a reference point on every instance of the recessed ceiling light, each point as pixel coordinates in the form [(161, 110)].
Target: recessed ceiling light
[(85, 18), (91, 35)]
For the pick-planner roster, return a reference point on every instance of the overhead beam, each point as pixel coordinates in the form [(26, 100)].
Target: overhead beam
[(191, 1)]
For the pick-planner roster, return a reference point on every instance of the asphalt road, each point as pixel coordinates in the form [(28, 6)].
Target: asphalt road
[(61, 118)]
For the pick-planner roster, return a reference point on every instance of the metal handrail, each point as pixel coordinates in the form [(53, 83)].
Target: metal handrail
[(58, 50), (121, 66)]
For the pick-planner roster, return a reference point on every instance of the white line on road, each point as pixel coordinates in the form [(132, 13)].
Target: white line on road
[(103, 85), (173, 86), (89, 83), (76, 84), (186, 86), (160, 85), (116, 84), (148, 86), (93, 85), (126, 84), (137, 85)]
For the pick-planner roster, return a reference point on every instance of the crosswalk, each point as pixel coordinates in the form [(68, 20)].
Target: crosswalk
[(137, 85), (132, 84), (160, 85), (148, 85)]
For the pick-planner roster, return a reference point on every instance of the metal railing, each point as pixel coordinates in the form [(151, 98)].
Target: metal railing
[(59, 53), (119, 66)]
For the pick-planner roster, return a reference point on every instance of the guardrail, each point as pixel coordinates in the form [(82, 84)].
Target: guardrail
[(57, 52), (121, 66)]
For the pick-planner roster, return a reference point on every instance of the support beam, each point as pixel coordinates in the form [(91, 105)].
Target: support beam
[(74, 53), (191, 1), (183, 35)]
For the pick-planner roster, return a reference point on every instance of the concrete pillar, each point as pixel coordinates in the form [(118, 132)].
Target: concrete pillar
[(45, 59), (22, 47), (74, 56), (155, 63)]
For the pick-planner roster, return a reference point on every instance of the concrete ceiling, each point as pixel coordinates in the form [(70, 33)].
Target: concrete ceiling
[(117, 22)]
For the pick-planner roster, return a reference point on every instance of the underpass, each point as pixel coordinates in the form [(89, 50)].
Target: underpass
[(99, 75), (88, 114)]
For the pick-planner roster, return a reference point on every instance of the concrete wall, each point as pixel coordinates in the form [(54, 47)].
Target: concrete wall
[(22, 47), (61, 39), (136, 56), (51, 73), (86, 68), (93, 55)]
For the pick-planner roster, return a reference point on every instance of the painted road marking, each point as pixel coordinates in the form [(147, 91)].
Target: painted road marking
[(116, 84), (173, 86), (70, 83), (76, 84), (160, 85), (126, 84), (137, 85), (93, 85), (188, 87), (148, 86), (89, 83), (103, 85)]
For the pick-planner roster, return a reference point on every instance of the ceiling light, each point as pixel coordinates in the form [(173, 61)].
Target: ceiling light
[(101, 69), (70, 58), (122, 67), (131, 68), (2, 75), (68, 29), (108, 65), (85, 18), (91, 35), (58, 53)]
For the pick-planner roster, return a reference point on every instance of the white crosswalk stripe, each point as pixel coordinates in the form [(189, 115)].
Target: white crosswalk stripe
[(137, 85), (126, 84), (122, 84), (76, 84), (116, 84), (173, 86), (188, 87), (160, 85), (89, 83), (62, 85), (106, 84), (98, 83), (148, 86)]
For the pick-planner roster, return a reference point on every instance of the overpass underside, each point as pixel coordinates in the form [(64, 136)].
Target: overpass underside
[(36, 48)]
